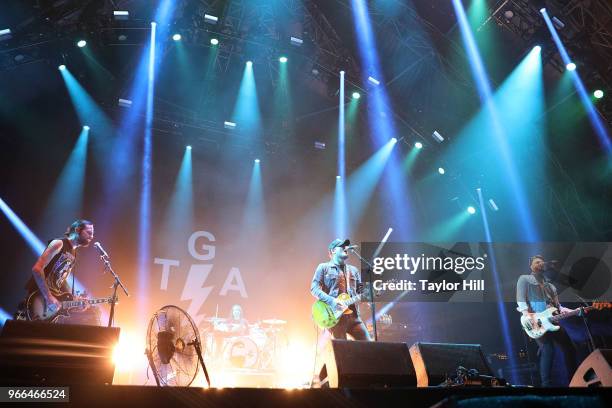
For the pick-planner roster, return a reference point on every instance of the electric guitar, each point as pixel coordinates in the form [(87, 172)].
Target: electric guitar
[(327, 317), (546, 320), (36, 306)]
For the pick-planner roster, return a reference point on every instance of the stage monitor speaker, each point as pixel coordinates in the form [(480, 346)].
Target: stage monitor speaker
[(435, 362), (595, 370), (36, 354), (365, 364)]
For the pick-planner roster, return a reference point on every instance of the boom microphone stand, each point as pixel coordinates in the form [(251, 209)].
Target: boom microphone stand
[(108, 267), (371, 289)]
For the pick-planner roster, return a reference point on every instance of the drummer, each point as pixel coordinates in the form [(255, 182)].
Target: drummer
[(236, 325)]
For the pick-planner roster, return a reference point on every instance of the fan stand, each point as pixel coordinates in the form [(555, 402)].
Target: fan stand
[(152, 365), (196, 344)]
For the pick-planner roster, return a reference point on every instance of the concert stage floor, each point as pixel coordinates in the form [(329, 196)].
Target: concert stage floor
[(140, 396)]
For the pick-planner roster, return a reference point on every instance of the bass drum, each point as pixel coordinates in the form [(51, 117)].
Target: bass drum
[(241, 352)]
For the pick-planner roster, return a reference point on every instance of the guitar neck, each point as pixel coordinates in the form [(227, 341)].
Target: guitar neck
[(74, 303), (354, 300), (572, 313)]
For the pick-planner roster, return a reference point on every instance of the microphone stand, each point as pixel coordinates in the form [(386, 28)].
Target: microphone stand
[(582, 314), (371, 289), (107, 267)]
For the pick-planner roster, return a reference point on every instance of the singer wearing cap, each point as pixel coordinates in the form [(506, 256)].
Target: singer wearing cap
[(534, 294), (51, 271), (334, 278)]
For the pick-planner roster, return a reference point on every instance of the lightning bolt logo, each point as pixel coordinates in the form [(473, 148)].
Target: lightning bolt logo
[(195, 290)]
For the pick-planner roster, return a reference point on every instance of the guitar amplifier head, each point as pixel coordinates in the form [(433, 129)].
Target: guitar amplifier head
[(434, 362)]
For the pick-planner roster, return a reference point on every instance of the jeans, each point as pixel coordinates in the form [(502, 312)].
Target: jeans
[(350, 324), (547, 345)]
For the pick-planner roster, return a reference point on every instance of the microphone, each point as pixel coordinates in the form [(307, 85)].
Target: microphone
[(100, 250)]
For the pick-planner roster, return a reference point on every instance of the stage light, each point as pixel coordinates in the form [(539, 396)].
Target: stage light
[(283, 59), (125, 103), (441, 170), (121, 14), (249, 63), (177, 37), (471, 210), (537, 48), (188, 147), (319, 145), (338, 177), (214, 41), (229, 125), (558, 23), (570, 66), (598, 94), (210, 19), (393, 140), (437, 136), (257, 161), (5, 34), (62, 67), (356, 95), (296, 41), (81, 43), (373, 81), (122, 37), (86, 128), (127, 354), (418, 145), (493, 205), (543, 10)]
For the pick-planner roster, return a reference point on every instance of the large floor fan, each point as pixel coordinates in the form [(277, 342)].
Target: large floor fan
[(173, 347)]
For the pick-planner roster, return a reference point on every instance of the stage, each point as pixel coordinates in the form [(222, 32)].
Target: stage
[(395, 192), (108, 396)]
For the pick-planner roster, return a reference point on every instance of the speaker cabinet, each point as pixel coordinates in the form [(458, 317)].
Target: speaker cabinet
[(365, 364), (595, 370), (36, 354), (434, 362)]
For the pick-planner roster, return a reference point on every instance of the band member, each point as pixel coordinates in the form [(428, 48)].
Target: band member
[(236, 325), (534, 294), (51, 271), (333, 278)]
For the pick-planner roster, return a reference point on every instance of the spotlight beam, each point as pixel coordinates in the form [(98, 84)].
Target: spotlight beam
[(594, 117)]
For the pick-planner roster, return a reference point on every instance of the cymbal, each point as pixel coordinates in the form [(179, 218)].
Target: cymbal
[(215, 319), (274, 322)]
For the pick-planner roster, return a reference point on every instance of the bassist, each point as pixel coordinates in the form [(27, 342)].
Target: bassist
[(334, 278), (534, 294)]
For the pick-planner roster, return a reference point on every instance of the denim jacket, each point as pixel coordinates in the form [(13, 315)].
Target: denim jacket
[(324, 284)]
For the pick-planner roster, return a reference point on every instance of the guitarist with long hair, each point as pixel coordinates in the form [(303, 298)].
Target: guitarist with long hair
[(534, 294), (333, 278), (50, 273)]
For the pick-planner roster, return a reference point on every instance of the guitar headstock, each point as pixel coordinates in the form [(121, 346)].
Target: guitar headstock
[(602, 305)]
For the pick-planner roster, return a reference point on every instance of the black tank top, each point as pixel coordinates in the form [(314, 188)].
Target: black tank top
[(57, 270)]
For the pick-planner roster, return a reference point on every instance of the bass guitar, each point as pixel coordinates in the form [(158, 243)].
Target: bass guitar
[(36, 306), (546, 321)]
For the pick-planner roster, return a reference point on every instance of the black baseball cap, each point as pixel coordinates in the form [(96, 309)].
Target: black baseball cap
[(339, 243)]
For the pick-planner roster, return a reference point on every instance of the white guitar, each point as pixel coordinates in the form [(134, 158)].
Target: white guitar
[(545, 321)]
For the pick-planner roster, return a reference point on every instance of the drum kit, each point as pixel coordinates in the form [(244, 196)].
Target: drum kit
[(239, 345)]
